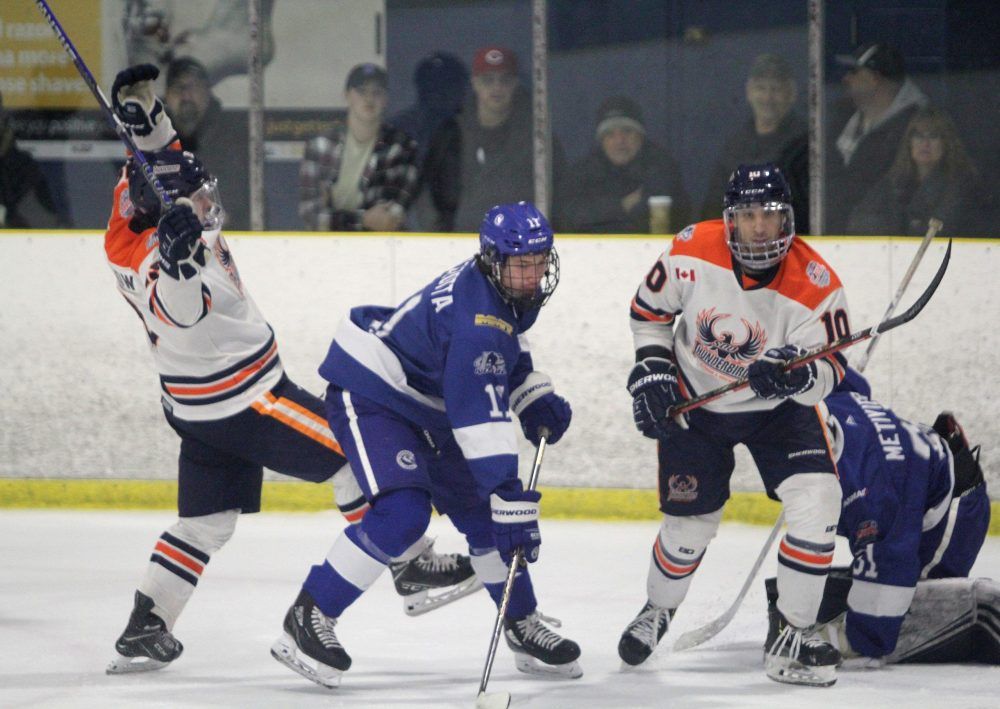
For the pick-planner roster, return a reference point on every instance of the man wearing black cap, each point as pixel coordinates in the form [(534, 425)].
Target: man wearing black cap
[(363, 176), (612, 184), (885, 101), (218, 137)]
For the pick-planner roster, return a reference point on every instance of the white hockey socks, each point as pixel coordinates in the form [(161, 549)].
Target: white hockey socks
[(812, 507), (677, 552), (179, 559)]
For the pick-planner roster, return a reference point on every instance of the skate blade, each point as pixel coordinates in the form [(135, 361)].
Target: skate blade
[(284, 651), (122, 665), (493, 700), (532, 666), (791, 672), (422, 602)]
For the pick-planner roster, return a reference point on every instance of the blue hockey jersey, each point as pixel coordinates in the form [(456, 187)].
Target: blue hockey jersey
[(446, 359), (897, 478)]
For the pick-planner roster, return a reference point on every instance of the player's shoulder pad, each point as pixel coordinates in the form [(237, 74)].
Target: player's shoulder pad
[(705, 241), (807, 277)]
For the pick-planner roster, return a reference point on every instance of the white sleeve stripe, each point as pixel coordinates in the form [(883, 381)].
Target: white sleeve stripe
[(485, 440), (879, 599)]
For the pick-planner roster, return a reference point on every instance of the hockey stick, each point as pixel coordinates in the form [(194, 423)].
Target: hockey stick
[(696, 637), (501, 700), (835, 346), (933, 227), (88, 78)]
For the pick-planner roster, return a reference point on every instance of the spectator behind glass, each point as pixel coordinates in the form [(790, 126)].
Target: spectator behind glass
[(488, 158), (442, 83), (611, 185), (774, 134), (885, 101), (25, 199), (363, 175), (932, 176), (220, 139)]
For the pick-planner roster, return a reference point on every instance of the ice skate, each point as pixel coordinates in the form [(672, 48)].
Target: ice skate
[(540, 651), (642, 635), (798, 655), (449, 576), (309, 644), (146, 644)]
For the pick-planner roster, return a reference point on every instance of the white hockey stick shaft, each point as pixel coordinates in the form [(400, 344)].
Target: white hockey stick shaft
[(501, 700), (696, 637), (933, 227)]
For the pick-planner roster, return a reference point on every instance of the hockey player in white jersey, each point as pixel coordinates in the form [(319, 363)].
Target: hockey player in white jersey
[(223, 388), (730, 299)]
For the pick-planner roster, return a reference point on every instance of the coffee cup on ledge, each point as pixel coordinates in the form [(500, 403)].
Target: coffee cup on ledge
[(659, 214)]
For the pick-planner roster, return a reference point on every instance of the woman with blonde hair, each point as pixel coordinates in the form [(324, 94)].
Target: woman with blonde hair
[(931, 176)]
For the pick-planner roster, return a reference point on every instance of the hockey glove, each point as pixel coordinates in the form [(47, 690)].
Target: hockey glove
[(515, 521), (769, 381), (181, 247), (139, 110), (654, 389), (540, 409)]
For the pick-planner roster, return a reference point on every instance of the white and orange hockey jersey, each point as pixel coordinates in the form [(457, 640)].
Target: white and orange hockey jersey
[(693, 303), (214, 351)]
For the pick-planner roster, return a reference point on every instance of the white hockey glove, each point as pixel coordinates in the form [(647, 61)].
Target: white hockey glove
[(139, 110)]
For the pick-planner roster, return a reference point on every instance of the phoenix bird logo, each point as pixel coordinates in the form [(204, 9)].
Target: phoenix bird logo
[(724, 342)]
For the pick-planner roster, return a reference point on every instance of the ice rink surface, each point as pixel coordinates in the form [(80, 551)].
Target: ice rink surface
[(66, 590)]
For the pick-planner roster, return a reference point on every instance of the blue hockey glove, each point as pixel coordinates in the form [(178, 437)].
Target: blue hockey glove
[(769, 381), (515, 521), (550, 413), (181, 247), (138, 108), (654, 389)]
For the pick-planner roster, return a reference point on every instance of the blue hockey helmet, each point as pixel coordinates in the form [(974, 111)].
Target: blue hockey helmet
[(517, 253), (182, 175), (757, 212)]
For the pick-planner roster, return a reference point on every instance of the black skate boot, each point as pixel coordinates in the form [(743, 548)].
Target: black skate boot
[(643, 633), (309, 644), (146, 643), (540, 651), (798, 655), (449, 574)]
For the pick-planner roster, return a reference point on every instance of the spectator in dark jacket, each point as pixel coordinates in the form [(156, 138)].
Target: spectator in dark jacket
[(886, 101), (773, 134), (219, 138), (932, 176), (364, 175), (610, 187)]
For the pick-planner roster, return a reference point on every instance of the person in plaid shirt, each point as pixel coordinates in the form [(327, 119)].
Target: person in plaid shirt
[(363, 175)]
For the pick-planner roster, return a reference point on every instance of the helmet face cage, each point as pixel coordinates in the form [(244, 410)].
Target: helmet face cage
[(517, 254), (762, 255), (208, 205), (755, 192)]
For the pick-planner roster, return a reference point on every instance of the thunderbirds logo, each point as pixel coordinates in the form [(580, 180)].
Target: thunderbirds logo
[(225, 258), (682, 488), (724, 351)]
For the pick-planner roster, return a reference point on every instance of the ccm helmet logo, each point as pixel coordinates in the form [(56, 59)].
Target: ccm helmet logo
[(538, 240)]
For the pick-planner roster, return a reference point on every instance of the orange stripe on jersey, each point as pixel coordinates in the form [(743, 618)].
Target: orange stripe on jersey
[(804, 276), (798, 555), (649, 315), (225, 383), (124, 247), (707, 242), (179, 557)]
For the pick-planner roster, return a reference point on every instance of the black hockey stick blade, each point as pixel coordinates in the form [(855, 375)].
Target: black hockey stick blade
[(835, 346)]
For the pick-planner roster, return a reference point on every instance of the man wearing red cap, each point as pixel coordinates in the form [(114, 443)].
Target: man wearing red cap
[(487, 160)]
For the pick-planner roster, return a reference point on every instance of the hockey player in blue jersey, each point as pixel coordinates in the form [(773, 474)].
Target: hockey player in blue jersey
[(915, 510), (421, 398)]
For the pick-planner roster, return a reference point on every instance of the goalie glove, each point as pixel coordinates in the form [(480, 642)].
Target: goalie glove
[(769, 381), (139, 110), (181, 247)]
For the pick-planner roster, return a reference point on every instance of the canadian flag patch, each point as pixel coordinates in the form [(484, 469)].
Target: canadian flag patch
[(684, 274)]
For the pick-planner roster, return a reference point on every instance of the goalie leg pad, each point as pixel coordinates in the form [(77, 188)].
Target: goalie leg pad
[(677, 552)]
